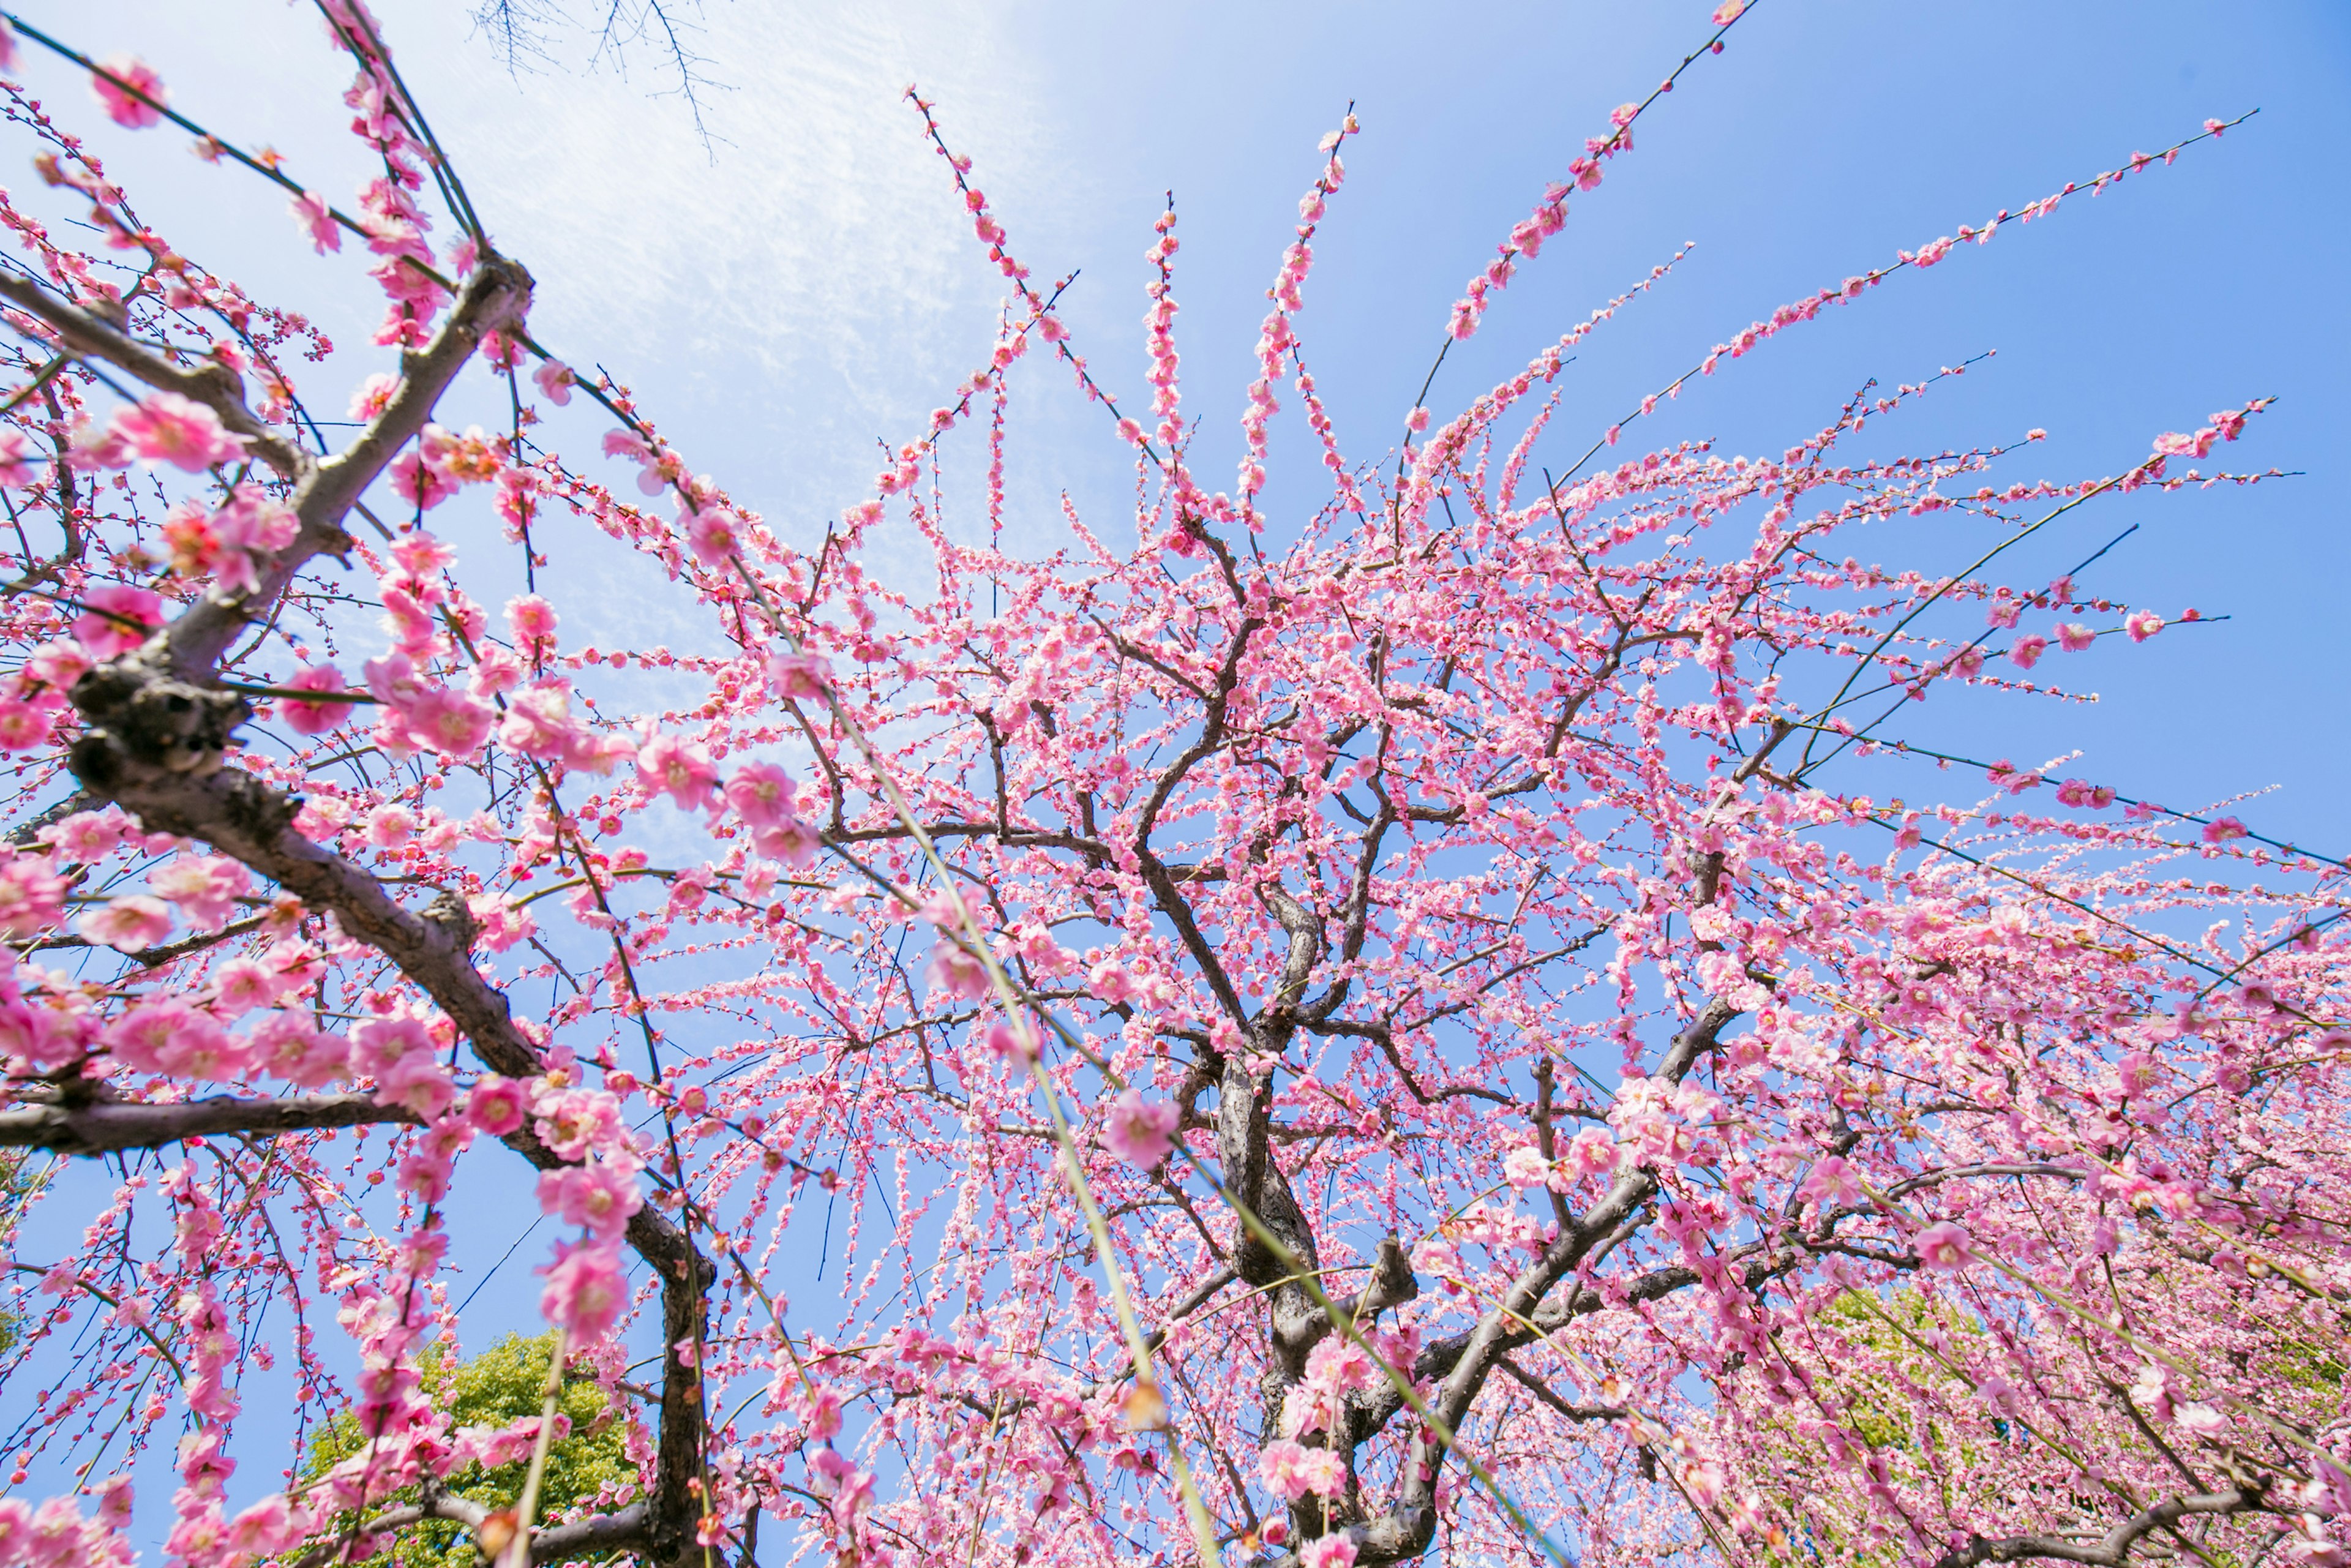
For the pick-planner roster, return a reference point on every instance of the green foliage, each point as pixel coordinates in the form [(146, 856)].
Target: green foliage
[(19, 1185), (503, 1384)]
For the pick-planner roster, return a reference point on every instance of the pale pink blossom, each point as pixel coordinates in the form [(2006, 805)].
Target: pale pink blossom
[(1291, 1470), (286, 1046), (127, 923), (32, 895), (678, 769), (761, 794), (17, 470), (1140, 1131), (577, 1121), (164, 427), (205, 887), (711, 531), (418, 1083), (797, 677), (1944, 1245)]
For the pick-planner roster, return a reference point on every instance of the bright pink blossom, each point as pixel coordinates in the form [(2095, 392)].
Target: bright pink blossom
[(497, 1105), (117, 619), (585, 1290), (130, 92), (599, 1197), (311, 211), (314, 717)]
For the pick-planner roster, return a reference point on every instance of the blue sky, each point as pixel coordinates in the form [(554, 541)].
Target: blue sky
[(807, 285)]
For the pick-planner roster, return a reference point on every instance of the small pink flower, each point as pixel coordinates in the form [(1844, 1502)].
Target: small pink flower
[(417, 1083), (678, 769), (140, 1037), (241, 985), (761, 795), (164, 427), (1593, 1152), (286, 1045), (554, 381), (1339, 1551), (58, 664), (23, 725), (1140, 1131), (452, 723), (1004, 1042), (205, 887), (122, 86), (16, 471), (32, 895), (496, 1105), (796, 677), (585, 1290), (314, 717), (2142, 625), (266, 1527), (597, 1196), (533, 620), (711, 533), (2027, 650), (1944, 1245), (952, 972), (1524, 1168), (577, 1121), (374, 394), (2072, 636), (117, 619), (2223, 830), (539, 722), (127, 923), (419, 484), (311, 212), (1291, 1470), (380, 1043)]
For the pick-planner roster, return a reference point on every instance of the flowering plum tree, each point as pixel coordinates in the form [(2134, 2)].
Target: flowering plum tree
[(1343, 1030)]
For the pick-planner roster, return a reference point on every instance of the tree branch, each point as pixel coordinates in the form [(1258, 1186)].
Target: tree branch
[(2113, 1549), (104, 1127)]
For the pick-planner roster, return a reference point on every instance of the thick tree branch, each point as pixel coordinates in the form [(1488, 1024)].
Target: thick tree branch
[(107, 1127), (2112, 1550)]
